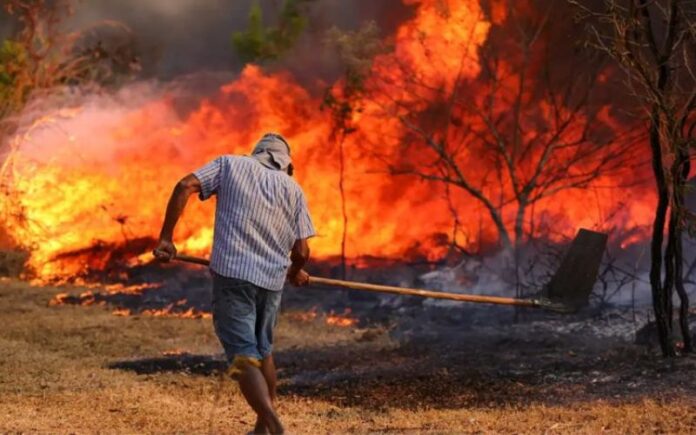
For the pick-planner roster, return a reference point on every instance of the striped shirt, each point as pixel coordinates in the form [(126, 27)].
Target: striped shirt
[(259, 215)]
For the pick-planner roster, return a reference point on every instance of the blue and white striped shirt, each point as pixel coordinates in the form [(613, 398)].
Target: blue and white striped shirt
[(259, 215)]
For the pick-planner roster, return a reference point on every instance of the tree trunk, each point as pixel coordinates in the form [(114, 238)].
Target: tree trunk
[(658, 293), (341, 187), (519, 221), (683, 299), (681, 169), (503, 233), (519, 234)]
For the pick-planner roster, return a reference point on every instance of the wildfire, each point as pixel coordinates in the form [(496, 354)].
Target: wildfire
[(122, 312), (99, 174), (102, 296), (169, 311), (174, 352), (343, 320)]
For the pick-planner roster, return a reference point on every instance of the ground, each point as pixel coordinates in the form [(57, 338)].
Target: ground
[(75, 369)]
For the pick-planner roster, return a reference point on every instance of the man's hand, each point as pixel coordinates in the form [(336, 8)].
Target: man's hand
[(165, 250), (298, 256), (299, 279)]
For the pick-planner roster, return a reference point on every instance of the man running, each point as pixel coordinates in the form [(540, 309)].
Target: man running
[(261, 216)]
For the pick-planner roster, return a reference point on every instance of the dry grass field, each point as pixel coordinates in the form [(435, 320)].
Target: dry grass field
[(55, 377)]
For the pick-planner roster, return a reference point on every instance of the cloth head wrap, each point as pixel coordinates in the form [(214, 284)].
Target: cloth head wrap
[(273, 152)]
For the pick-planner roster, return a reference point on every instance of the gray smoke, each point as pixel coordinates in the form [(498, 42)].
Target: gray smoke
[(178, 37)]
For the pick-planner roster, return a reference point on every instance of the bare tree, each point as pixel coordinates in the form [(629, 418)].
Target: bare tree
[(521, 131), (654, 42)]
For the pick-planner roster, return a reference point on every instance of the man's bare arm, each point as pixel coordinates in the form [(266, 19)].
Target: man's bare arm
[(186, 187), (299, 257)]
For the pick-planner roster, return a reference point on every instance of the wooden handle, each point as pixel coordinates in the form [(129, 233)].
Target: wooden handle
[(191, 259), (397, 290), (423, 293)]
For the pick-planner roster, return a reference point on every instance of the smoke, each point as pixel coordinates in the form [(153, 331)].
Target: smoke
[(175, 36), (185, 36)]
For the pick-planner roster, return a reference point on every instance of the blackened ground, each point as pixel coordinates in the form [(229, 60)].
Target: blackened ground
[(517, 365), (410, 352)]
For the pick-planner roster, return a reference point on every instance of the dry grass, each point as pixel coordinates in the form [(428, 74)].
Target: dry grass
[(54, 377)]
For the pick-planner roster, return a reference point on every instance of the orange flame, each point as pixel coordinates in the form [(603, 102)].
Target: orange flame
[(99, 174), (343, 320), (88, 298)]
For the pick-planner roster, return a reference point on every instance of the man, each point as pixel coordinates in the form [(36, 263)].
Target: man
[(261, 216)]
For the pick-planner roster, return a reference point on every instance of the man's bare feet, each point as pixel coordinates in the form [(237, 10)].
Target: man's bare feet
[(260, 428), (274, 425)]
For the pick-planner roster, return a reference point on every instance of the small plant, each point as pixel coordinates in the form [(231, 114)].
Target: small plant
[(261, 43)]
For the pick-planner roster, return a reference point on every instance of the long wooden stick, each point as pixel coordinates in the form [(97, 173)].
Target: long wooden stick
[(399, 290), (498, 300)]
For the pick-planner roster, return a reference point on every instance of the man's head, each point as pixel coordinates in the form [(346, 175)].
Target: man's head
[(273, 152)]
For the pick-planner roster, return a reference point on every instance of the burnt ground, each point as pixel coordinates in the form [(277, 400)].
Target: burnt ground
[(407, 366), (412, 353), (486, 367)]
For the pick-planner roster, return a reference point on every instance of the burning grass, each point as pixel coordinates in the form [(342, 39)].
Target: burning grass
[(55, 376)]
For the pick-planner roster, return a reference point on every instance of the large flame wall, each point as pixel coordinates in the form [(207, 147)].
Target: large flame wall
[(101, 171)]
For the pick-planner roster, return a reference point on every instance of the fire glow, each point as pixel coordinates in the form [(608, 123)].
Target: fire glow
[(343, 320), (99, 174), (102, 298)]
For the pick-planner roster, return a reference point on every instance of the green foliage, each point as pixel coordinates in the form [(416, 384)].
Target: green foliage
[(260, 43)]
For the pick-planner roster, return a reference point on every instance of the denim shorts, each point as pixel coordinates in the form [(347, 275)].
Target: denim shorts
[(244, 316)]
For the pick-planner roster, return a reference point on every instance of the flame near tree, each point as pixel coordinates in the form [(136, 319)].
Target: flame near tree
[(489, 126), (447, 103)]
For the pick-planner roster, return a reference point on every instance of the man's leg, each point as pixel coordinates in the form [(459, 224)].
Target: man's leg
[(267, 306), (269, 373), (255, 389), (235, 318)]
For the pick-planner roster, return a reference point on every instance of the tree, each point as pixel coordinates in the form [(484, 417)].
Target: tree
[(521, 130), (654, 42), (42, 57), (261, 43), (356, 51)]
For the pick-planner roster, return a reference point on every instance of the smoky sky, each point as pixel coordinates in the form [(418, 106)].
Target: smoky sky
[(176, 37)]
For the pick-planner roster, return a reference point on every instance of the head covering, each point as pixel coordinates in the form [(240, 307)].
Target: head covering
[(273, 152)]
